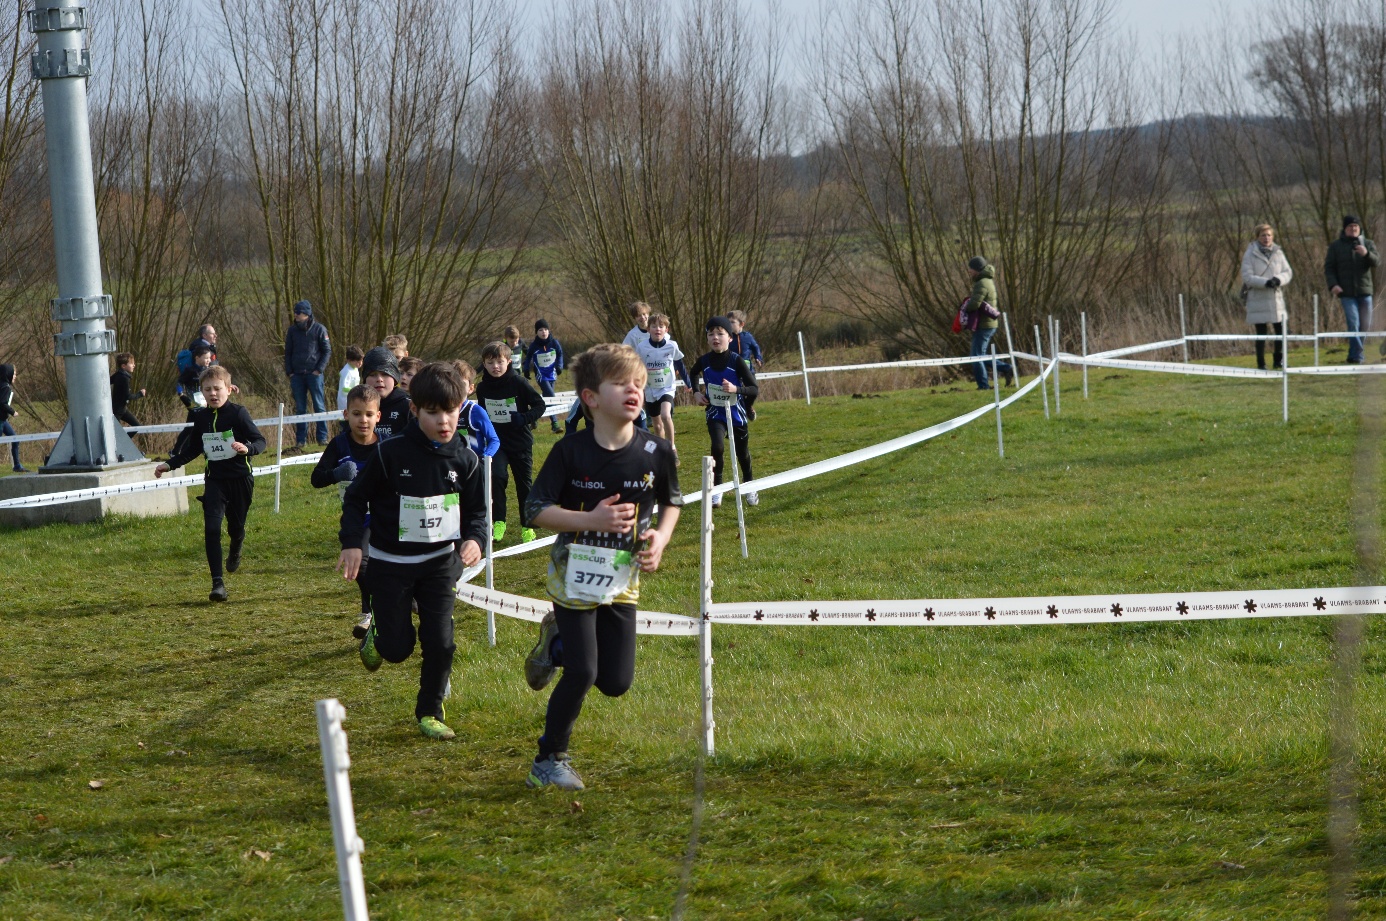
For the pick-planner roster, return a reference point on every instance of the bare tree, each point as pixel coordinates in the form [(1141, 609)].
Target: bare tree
[(666, 155), (25, 240)]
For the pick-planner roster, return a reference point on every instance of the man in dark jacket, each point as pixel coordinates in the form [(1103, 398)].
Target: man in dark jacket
[(307, 351), (1348, 270)]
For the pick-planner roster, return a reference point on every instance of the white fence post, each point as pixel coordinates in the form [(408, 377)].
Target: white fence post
[(335, 767), (1083, 325), (803, 363), (1054, 348), (1285, 369), (278, 458), (1183, 329), (490, 548), (1039, 356), (704, 607), (1316, 330), (1010, 346), (996, 397)]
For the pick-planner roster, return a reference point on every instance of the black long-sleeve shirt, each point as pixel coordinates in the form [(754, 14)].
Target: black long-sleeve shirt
[(409, 466), (229, 417), (510, 395), (121, 391)]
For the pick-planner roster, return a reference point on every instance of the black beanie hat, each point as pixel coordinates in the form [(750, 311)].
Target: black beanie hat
[(540, 324), (380, 359), (1351, 219), (719, 323), (303, 308), (977, 263)]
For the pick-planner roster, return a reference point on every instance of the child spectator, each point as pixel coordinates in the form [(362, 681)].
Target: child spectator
[(640, 312), (408, 367), (663, 360), (189, 388), (225, 433), (728, 372), (341, 460), (745, 345), (512, 405), (121, 392), (422, 493), (544, 358), (398, 346), (7, 377), (380, 371), (600, 489), (349, 376), (481, 434)]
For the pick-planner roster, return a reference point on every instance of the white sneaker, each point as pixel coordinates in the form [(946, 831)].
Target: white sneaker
[(363, 623), (717, 500), (752, 499)]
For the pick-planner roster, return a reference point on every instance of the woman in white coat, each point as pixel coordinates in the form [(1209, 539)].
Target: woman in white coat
[(1265, 272)]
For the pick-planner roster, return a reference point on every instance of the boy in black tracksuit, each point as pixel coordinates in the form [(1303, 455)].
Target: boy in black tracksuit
[(7, 375), (122, 389), (423, 492), (343, 458), (226, 434), (380, 371), (512, 405), (730, 372)]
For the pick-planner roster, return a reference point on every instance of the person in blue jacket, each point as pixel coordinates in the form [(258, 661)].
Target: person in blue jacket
[(481, 434), (307, 350), (723, 370), (545, 358)]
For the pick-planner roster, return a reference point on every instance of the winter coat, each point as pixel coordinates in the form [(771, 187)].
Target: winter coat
[(306, 350), (1343, 268), (1265, 305), (984, 289)]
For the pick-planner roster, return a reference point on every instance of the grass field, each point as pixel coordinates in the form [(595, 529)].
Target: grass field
[(1114, 771)]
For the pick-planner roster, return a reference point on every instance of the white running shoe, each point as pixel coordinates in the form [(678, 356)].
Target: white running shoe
[(717, 500), (752, 499), (363, 623)]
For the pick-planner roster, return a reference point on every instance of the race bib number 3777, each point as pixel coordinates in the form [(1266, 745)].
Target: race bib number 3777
[(597, 574)]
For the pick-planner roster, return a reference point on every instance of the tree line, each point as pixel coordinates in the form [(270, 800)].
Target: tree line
[(431, 168)]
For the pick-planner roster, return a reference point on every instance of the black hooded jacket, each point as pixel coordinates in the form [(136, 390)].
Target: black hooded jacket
[(7, 393), (411, 465), (229, 417), (526, 406), (394, 414)]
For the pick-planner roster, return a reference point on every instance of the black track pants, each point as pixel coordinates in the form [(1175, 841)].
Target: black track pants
[(598, 650), (392, 587), (229, 499), (718, 433)]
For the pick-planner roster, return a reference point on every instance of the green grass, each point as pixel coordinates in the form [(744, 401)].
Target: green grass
[(1113, 771)]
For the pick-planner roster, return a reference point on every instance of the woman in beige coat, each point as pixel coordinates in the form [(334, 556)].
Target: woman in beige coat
[(1265, 271)]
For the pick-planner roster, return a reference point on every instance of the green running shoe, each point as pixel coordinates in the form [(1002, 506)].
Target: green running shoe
[(498, 531), (436, 729), (526, 535), (555, 770), (370, 656), (539, 667)]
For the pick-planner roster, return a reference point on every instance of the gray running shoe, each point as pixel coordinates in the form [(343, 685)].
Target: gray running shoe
[(752, 498), (363, 623), (557, 770), (539, 667)]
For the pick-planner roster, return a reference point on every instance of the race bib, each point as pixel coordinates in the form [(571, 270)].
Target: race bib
[(430, 519), (199, 399), (597, 574), (719, 397), (659, 380), (501, 410), (217, 445), (545, 359)]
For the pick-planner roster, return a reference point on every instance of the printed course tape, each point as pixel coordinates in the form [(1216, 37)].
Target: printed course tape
[(1058, 609), (330, 416), (533, 609)]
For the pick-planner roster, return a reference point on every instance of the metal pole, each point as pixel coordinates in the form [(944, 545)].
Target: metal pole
[(1285, 368), (490, 548), (278, 457), (336, 764), (1054, 348), (1039, 355), (90, 439), (1010, 346), (704, 607), (996, 396), (1183, 329), (1316, 330), (1083, 326), (803, 363)]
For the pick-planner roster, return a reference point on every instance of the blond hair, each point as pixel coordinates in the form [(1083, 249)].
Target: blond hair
[(662, 319), (637, 306), (737, 315), (397, 344), (606, 362), (1261, 227), (495, 350), (215, 373)]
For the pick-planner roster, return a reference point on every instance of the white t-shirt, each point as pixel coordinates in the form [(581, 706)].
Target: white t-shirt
[(348, 378), (635, 336), (659, 365)]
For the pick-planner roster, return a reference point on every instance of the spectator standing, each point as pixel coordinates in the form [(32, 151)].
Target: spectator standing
[(1348, 270), (983, 275), (1265, 270), (206, 336), (307, 351), (7, 376)]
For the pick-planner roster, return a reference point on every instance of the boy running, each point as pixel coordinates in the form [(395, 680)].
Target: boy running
[(512, 405), (122, 389), (663, 360), (745, 345), (380, 371), (481, 434), (544, 358), (640, 313), (224, 432), (599, 488), (341, 460), (723, 370), (422, 492)]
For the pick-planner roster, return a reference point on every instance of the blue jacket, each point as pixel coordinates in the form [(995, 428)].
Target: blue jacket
[(745, 345), (481, 434), (306, 350), (543, 347), (727, 367)]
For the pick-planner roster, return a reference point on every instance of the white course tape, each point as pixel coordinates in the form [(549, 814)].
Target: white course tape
[(533, 609), (1249, 337), (1340, 369), (329, 416), (1168, 367), (875, 366), (1135, 349), (1059, 609)]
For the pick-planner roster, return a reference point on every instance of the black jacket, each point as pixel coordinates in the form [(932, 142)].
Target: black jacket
[(229, 417), (339, 449), (7, 393), (1344, 269), (121, 391), (529, 407), (306, 350), (394, 414), (411, 465)]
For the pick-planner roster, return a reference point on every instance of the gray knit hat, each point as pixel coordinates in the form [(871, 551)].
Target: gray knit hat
[(380, 359), (977, 263)]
